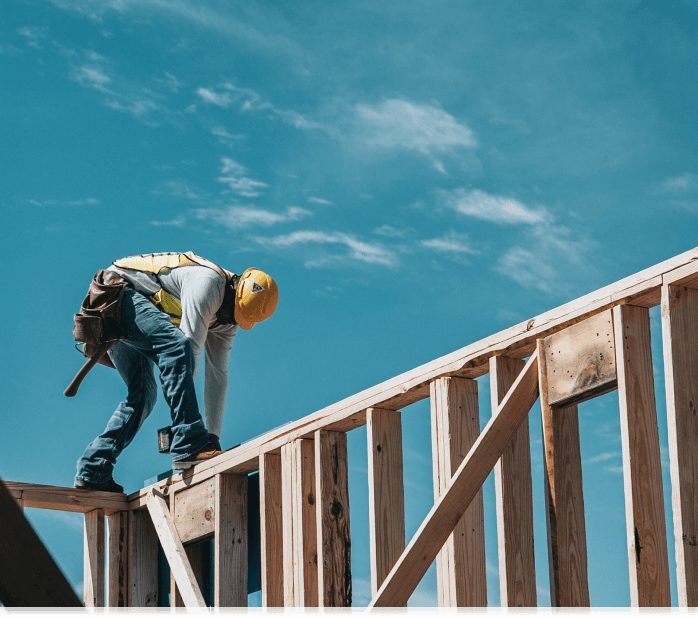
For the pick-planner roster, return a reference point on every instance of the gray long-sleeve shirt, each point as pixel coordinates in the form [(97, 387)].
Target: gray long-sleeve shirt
[(200, 291)]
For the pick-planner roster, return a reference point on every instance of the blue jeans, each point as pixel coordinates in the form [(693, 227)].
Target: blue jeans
[(151, 340)]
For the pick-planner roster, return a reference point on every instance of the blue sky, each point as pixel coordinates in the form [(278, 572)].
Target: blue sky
[(415, 175)]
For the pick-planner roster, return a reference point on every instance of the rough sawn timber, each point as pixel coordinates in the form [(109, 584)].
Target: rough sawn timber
[(519, 341), (66, 498), (467, 481)]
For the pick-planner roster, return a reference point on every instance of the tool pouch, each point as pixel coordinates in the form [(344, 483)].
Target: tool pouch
[(99, 319)]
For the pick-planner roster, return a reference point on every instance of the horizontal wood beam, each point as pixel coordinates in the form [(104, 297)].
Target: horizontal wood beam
[(519, 341), (465, 484), (66, 498)]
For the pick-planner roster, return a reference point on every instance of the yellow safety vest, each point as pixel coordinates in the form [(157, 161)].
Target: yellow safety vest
[(155, 263)]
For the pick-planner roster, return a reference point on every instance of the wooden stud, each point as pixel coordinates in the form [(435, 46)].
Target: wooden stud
[(567, 549), (386, 495), (305, 526), (680, 343), (93, 564), (514, 500), (333, 534), (642, 466), (288, 481), (466, 482), (194, 513), (67, 498), (230, 554), (29, 577), (142, 560), (117, 565), (461, 578), (174, 551), (194, 555), (271, 529)]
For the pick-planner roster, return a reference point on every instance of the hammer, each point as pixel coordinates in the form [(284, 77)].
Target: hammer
[(73, 387)]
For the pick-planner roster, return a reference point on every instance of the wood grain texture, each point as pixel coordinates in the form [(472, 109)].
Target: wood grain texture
[(288, 483), (466, 482), (117, 560), (461, 565), (230, 554), (174, 551), (580, 360), (642, 466), (69, 499), (194, 555), (305, 525), (93, 563), (567, 552), (333, 532), (142, 560), (29, 577), (271, 529), (519, 341), (386, 494), (514, 500), (194, 513), (680, 343)]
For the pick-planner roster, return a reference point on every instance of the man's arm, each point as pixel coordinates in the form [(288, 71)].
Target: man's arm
[(219, 342)]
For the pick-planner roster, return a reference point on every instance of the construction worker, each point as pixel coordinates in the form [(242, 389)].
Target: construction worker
[(177, 304)]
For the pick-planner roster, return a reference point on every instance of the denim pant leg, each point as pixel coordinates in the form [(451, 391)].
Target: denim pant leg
[(97, 463)]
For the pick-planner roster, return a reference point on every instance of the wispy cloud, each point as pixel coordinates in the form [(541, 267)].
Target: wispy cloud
[(369, 253), (235, 176), (235, 217), (319, 200), (527, 269), (493, 208), (401, 125), (682, 184), (224, 135), (90, 201), (34, 35), (603, 457), (180, 188), (452, 243), (389, 231)]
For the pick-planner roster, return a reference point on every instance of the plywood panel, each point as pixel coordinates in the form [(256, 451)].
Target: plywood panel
[(386, 495), (333, 533), (194, 513), (514, 500), (461, 578), (680, 342), (567, 553), (230, 559), (271, 528), (642, 467), (580, 360), (93, 548), (117, 560)]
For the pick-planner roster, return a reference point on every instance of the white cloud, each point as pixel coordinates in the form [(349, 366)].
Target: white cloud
[(493, 208), (449, 243), (223, 134), (429, 130), (603, 457), (235, 217), (221, 100), (685, 183), (90, 201), (527, 269), (319, 200), (92, 76), (370, 253), (170, 82), (34, 35), (235, 176), (388, 231), (180, 188)]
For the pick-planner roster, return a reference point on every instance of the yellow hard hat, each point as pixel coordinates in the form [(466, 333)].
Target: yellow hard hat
[(256, 298)]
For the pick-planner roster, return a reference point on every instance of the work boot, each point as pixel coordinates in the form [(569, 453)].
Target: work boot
[(215, 441), (206, 453), (109, 485)]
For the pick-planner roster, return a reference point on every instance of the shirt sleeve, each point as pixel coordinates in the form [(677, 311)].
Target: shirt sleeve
[(219, 342)]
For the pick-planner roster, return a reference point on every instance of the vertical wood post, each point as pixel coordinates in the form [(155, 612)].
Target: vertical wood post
[(680, 342), (271, 529), (386, 496), (117, 563), (514, 499), (300, 528), (461, 566), (230, 553), (93, 572), (567, 546), (642, 467), (333, 535), (142, 560)]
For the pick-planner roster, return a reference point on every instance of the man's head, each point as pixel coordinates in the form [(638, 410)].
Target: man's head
[(255, 299)]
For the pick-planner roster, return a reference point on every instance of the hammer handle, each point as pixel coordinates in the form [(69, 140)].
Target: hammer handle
[(73, 387)]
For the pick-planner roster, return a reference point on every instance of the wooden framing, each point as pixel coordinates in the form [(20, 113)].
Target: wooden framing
[(642, 467), (66, 498), (680, 343), (142, 560), (271, 530), (564, 500), (332, 519), (514, 499), (460, 565), (117, 565), (386, 495), (93, 549)]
